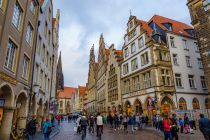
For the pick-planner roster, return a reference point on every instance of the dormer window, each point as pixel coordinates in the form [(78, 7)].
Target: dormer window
[(206, 5), (168, 26)]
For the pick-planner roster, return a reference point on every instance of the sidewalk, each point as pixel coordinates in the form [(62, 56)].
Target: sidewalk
[(55, 131)]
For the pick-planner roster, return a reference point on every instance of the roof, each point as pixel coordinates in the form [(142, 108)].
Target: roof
[(178, 27), (107, 55), (82, 90), (67, 92), (119, 54), (53, 22), (145, 26)]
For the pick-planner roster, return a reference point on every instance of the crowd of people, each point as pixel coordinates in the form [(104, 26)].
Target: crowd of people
[(170, 125)]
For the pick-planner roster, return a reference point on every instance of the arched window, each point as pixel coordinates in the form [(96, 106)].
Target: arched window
[(182, 104), (61, 103), (195, 104), (207, 103)]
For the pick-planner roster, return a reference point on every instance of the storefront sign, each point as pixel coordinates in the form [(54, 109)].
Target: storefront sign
[(2, 102)]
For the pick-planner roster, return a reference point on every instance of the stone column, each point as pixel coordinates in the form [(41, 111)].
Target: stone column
[(5, 128)]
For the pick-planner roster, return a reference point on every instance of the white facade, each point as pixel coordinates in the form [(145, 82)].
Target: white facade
[(186, 63), (139, 50)]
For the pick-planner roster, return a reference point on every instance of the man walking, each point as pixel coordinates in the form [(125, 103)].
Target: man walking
[(31, 128), (204, 126)]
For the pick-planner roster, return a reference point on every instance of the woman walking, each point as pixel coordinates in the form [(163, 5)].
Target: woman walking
[(47, 128)]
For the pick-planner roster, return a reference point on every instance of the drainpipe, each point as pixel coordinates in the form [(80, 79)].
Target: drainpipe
[(33, 64)]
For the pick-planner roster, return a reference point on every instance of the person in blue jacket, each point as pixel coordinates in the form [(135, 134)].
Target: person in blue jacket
[(47, 128), (131, 121), (204, 126)]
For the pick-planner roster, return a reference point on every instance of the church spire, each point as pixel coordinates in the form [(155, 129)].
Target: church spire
[(59, 75)]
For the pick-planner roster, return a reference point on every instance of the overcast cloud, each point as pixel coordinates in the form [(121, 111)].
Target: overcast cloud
[(82, 22)]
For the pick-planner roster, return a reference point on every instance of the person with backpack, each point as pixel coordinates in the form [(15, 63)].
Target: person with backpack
[(31, 128), (204, 126), (174, 127), (125, 123), (47, 129), (132, 122)]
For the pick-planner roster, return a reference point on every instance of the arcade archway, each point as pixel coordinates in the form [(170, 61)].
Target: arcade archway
[(138, 107)]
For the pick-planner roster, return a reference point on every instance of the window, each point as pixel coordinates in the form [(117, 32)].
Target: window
[(188, 61), (196, 46), (49, 15), (134, 64), (191, 81), (29, 34), (126, 52), (147, 80), (175, 59), (133, 47), (178, 80), (46, 29), (203, 82), (125, 68), (200, 63), (182, 104), (36, 73), (144, 59), (61, 104), (17, 15), (49, 36), (41, 78), (195, 103), (185, 44), (206, 5), (32, 6), (10, 57), (131, 24), (25, 71), (166, 77), (39, 49), (172, 42), (163, 56), (141, 42)]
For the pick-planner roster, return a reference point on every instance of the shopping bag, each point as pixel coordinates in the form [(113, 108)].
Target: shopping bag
[(75, 129)]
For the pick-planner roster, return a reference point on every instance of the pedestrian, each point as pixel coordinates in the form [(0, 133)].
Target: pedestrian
[(137, 120), (154, 121), (146, 120), (204, 126), (143, 121), (58, 118), (181, 125), (167, 128), (131, 120), (125, 123), (47, 129), (174, 127), (186, 124), (31, 128), (78, 125), (115, 122)]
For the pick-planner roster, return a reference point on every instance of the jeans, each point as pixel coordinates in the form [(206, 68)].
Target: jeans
[(137, 125), (46, 136), (97, 128), (168, 136), (143, 125), (83, 128), (132, 128)]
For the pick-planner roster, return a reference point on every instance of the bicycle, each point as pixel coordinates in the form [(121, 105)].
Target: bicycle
[(83, 133)]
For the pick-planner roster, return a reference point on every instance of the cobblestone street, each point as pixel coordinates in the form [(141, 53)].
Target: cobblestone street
[(67, 133)]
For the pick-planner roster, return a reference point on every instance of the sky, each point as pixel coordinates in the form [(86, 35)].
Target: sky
[(82, 22)]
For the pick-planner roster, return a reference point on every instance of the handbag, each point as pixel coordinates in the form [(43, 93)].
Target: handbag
[(75, 129)]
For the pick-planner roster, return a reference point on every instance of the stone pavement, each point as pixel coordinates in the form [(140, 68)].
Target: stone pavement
[(149, 133)]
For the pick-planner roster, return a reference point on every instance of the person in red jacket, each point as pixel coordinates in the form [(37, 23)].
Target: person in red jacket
[(167, 128)]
